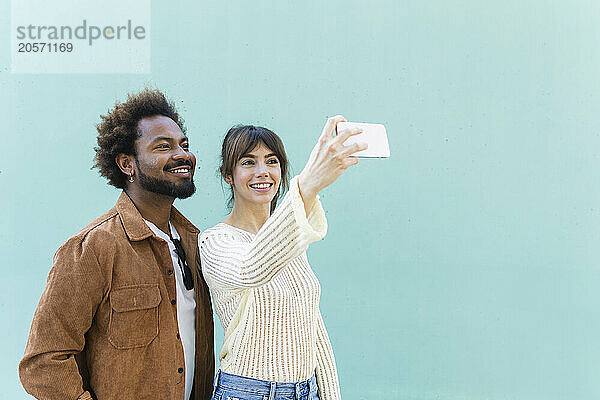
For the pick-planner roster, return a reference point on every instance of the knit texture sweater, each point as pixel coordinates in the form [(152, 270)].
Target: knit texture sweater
[(267, 297)]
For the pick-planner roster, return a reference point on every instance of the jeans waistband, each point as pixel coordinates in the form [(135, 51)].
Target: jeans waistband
[(263, 388)]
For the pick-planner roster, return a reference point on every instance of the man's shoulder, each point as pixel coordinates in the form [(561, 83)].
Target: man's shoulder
[(102, 231), (101, 223)]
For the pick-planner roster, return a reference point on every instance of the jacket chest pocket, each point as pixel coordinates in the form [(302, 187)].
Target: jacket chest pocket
[(133, 315)]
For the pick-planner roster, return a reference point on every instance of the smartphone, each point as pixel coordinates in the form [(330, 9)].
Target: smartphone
[(372, 134)]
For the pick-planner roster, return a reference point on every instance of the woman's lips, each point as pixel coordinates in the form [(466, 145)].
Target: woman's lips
[(261, 187)]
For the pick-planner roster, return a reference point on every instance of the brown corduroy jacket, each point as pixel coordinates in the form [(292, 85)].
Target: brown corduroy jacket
[(106, 326)]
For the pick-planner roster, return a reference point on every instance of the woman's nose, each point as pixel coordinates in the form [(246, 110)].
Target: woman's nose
[(261, 169)]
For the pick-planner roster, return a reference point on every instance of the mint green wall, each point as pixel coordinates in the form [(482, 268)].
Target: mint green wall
[(466, 266)]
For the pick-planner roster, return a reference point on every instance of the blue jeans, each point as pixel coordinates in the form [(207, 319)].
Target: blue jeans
[(234, 387)]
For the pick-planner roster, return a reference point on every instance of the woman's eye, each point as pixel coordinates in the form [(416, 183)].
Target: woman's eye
[(273, 161), (162, 146), (247, 162)]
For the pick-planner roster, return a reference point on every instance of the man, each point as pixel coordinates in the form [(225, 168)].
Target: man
[(126, 313)]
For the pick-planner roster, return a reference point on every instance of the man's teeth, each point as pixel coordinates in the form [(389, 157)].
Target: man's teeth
[(180, 170), (260, 185)]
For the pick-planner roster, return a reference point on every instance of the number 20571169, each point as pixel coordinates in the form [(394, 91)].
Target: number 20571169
[(26, 47)]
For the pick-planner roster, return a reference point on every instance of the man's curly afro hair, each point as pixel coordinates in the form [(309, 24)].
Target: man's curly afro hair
[(118, 131)]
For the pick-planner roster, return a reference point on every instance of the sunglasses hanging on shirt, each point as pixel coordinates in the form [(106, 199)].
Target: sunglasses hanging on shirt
[(186, 272)]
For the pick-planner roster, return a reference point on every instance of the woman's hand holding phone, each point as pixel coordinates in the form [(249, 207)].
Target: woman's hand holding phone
[(328, 160)]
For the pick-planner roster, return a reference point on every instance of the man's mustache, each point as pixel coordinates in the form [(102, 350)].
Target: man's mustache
[(179, 164)]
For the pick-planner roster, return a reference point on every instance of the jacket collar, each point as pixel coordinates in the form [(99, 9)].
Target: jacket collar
[(134, 225)]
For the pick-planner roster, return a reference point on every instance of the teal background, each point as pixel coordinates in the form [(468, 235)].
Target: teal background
[(466, 266)]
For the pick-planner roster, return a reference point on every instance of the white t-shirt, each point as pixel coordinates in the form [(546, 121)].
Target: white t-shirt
[(186, 309)]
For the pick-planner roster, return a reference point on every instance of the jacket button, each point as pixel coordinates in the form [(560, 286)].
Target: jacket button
[(170, 272), (178, 336), (180, 370), (173, 302)]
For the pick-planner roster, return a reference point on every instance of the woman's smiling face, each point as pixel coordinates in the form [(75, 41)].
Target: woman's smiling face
[(256, 177)]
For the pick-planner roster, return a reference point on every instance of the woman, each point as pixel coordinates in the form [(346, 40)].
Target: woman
[(254, 262)]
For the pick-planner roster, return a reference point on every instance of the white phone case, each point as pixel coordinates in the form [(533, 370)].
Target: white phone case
[(372, 134)]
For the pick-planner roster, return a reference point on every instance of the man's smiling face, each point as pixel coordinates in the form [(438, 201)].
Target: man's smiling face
[(163, 162)]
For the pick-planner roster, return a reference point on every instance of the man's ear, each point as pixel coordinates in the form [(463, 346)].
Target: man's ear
[(125, 162)]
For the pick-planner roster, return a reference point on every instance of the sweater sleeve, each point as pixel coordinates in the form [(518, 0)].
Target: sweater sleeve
[(326, 370), (283, 237)]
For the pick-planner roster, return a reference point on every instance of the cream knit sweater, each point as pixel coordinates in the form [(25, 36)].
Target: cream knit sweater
[(267, 297)]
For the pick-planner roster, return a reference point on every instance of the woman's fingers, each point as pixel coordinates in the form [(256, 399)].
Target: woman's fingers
[(350, 161), (353, 148), (337, 145), (345, 134), (329, 158), (329, 128)]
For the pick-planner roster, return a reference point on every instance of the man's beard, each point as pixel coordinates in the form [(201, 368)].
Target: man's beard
[(155, 185)]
